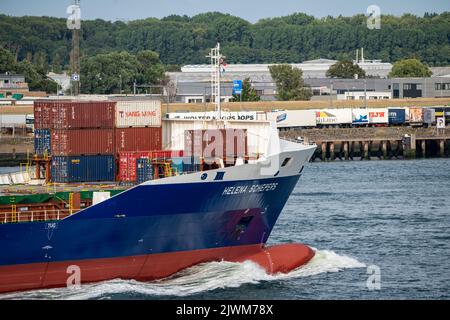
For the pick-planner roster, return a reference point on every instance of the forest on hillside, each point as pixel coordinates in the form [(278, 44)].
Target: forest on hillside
[(183, 40)]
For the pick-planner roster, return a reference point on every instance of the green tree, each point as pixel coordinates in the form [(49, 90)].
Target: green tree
[(150, 68), (290, 85), (410, 68), (35, 77), (116, 71), (7, 62), (248, 93), (186, 40), (345, 70)]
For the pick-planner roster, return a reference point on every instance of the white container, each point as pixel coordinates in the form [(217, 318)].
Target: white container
[(211, 115), (360, 116), (12, 119), (334, 116), (378, 115), (293, 118), (138, 114)]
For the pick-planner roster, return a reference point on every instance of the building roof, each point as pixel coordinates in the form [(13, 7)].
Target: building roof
[(441, 71), (311, 69)]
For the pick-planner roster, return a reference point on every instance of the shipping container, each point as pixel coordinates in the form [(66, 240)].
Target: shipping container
[(138, 139), (397, 116), (212, 143), (293, 118), (144, 170), (336, 117), (166, 154), (443, 112), (43, 111), (378, 116), (12, 120), (138, 114), (429, 116), (82, 142), (42, 141), (415, 116), (360, 116), (212, 115), (74, 114), (82, 168)]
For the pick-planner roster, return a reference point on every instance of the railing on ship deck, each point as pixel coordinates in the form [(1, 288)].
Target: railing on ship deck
[(15, 216)]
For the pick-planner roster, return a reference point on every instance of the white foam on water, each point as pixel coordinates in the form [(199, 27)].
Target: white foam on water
[(197, 279)]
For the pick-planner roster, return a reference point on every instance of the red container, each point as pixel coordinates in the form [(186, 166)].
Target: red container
[(43, 111), (200, 143), (166, 154), (66, 114), (82, 142), (138, 139)]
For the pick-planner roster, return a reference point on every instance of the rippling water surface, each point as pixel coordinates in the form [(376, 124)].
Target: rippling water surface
[(391, 214)]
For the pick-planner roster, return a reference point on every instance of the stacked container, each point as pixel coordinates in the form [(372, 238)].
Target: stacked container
[(138, 131), (80, 137)]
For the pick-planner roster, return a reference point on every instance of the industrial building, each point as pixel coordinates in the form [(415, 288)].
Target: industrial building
[(193, 86), (12, 85)]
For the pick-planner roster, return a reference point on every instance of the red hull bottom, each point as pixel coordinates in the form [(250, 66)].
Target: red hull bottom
[(281, 258)]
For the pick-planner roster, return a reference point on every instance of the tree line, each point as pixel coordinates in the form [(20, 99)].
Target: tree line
[(186, 40)]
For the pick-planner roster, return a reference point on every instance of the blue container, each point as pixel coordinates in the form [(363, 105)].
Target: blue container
[(83, 168), (42, 141), (397, 116), (177, 165), (191, 164), (144, 170)]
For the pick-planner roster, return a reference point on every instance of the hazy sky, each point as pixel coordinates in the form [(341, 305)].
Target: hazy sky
[(251, 10)]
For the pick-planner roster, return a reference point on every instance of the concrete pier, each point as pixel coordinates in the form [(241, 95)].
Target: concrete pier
[(384, 146), (324, 151), (384, 143), (346, 154), (423, 147), (332, 154), (366, 150)]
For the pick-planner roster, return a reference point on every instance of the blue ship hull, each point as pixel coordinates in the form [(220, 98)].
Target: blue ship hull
[(176, 225)]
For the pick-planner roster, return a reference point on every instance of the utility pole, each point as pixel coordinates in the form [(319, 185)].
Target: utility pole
[(74, 24), (365, 93), (331, 93)]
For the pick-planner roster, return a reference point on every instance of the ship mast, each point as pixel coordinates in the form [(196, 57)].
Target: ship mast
[(216, 61)]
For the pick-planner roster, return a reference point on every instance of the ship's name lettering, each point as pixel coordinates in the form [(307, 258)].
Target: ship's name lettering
[(250, 189)]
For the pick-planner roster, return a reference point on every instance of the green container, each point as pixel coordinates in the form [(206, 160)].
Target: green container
[(2, 95), (17, 96)]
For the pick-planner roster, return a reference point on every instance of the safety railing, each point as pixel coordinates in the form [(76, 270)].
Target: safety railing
[(17, 216)]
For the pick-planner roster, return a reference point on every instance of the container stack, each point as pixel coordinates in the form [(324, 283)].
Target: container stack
[(138, 132), (88, 140), (80, 138)]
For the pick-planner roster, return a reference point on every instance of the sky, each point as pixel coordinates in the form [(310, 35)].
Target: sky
[(251, 10)]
